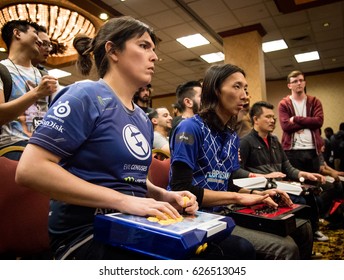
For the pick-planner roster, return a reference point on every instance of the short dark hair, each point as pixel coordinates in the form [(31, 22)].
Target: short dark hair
[(39, 28), (153, 114), (186, 90), (7, 29), (256, 109), (329, 130), (341, 126)]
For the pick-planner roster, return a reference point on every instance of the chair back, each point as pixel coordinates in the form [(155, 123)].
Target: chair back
[(24, 216), (159, 169)]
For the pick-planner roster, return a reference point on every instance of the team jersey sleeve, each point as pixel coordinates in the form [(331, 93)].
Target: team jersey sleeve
[(68, 122), (186, 142)]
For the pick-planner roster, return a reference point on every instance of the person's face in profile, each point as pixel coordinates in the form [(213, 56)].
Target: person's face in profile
[(232, 95)]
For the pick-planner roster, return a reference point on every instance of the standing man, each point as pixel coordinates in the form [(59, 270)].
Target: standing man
[(44, 52), (142, 98), (29, 90), (301, 117), (44, 49), (162, 123)]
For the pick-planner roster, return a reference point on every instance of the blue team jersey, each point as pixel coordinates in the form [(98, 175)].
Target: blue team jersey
[(98, 140), (212, 156)]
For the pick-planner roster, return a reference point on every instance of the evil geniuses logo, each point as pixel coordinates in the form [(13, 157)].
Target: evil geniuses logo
[(136, 142)]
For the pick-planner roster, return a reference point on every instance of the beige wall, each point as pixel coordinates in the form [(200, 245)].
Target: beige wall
[(329, 88)]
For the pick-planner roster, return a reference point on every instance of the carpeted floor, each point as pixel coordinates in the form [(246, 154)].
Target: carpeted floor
[(332, 249)]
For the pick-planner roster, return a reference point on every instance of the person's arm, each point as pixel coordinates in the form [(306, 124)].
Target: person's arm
[(312, 122), (284, 116), (14, 108), (328, 171), (61, 185), (182, 180)]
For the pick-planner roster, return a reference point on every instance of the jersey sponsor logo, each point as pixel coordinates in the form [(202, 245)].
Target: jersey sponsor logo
[(129, 179), (52, 124), (185, 137), (217, 174), (62, 110), (136, 143)]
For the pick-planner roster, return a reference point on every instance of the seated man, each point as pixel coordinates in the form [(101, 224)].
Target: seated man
[(162, 123), (333, 188), (204, 153), (262, 155)]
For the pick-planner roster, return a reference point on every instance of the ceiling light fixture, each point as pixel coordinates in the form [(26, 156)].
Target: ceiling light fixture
[(309, 56), (104, 16), (62, 23), (192, 41), (213, 57), (274, 46)]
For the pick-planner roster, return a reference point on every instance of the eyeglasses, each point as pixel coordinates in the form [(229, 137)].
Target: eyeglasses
[(47, 45), (296, 81)]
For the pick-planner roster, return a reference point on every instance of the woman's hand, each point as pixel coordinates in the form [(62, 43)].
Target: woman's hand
[(142, 206), (178, 200)]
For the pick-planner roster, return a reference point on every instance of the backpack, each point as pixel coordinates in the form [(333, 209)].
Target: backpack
[(7, 81)]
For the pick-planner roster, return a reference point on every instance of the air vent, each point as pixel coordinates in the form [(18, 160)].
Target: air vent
[(192, 62), (301, 40), (286, 67)]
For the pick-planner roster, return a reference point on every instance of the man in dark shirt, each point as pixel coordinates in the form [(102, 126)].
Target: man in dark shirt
[(142, 98), (262, 155)]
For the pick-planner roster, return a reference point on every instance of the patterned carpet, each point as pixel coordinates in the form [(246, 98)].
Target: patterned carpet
[(332, 249)]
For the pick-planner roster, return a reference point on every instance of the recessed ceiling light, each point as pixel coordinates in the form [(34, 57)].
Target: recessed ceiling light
[(192, 41), (274, 46), (57, 73), (326, 24), (309, 56), (104, 16), (213, 57)]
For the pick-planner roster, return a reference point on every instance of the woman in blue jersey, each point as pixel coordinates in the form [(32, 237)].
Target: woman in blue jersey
[(92, 152), (204, 153)]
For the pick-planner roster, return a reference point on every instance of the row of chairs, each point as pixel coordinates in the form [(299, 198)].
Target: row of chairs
[(24, 212)]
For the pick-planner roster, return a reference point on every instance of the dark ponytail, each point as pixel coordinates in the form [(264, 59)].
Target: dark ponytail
[(83, 45)]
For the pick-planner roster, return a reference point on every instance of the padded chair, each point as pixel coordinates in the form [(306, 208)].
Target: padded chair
[(9, 149), (159, 169), (23, 219)]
